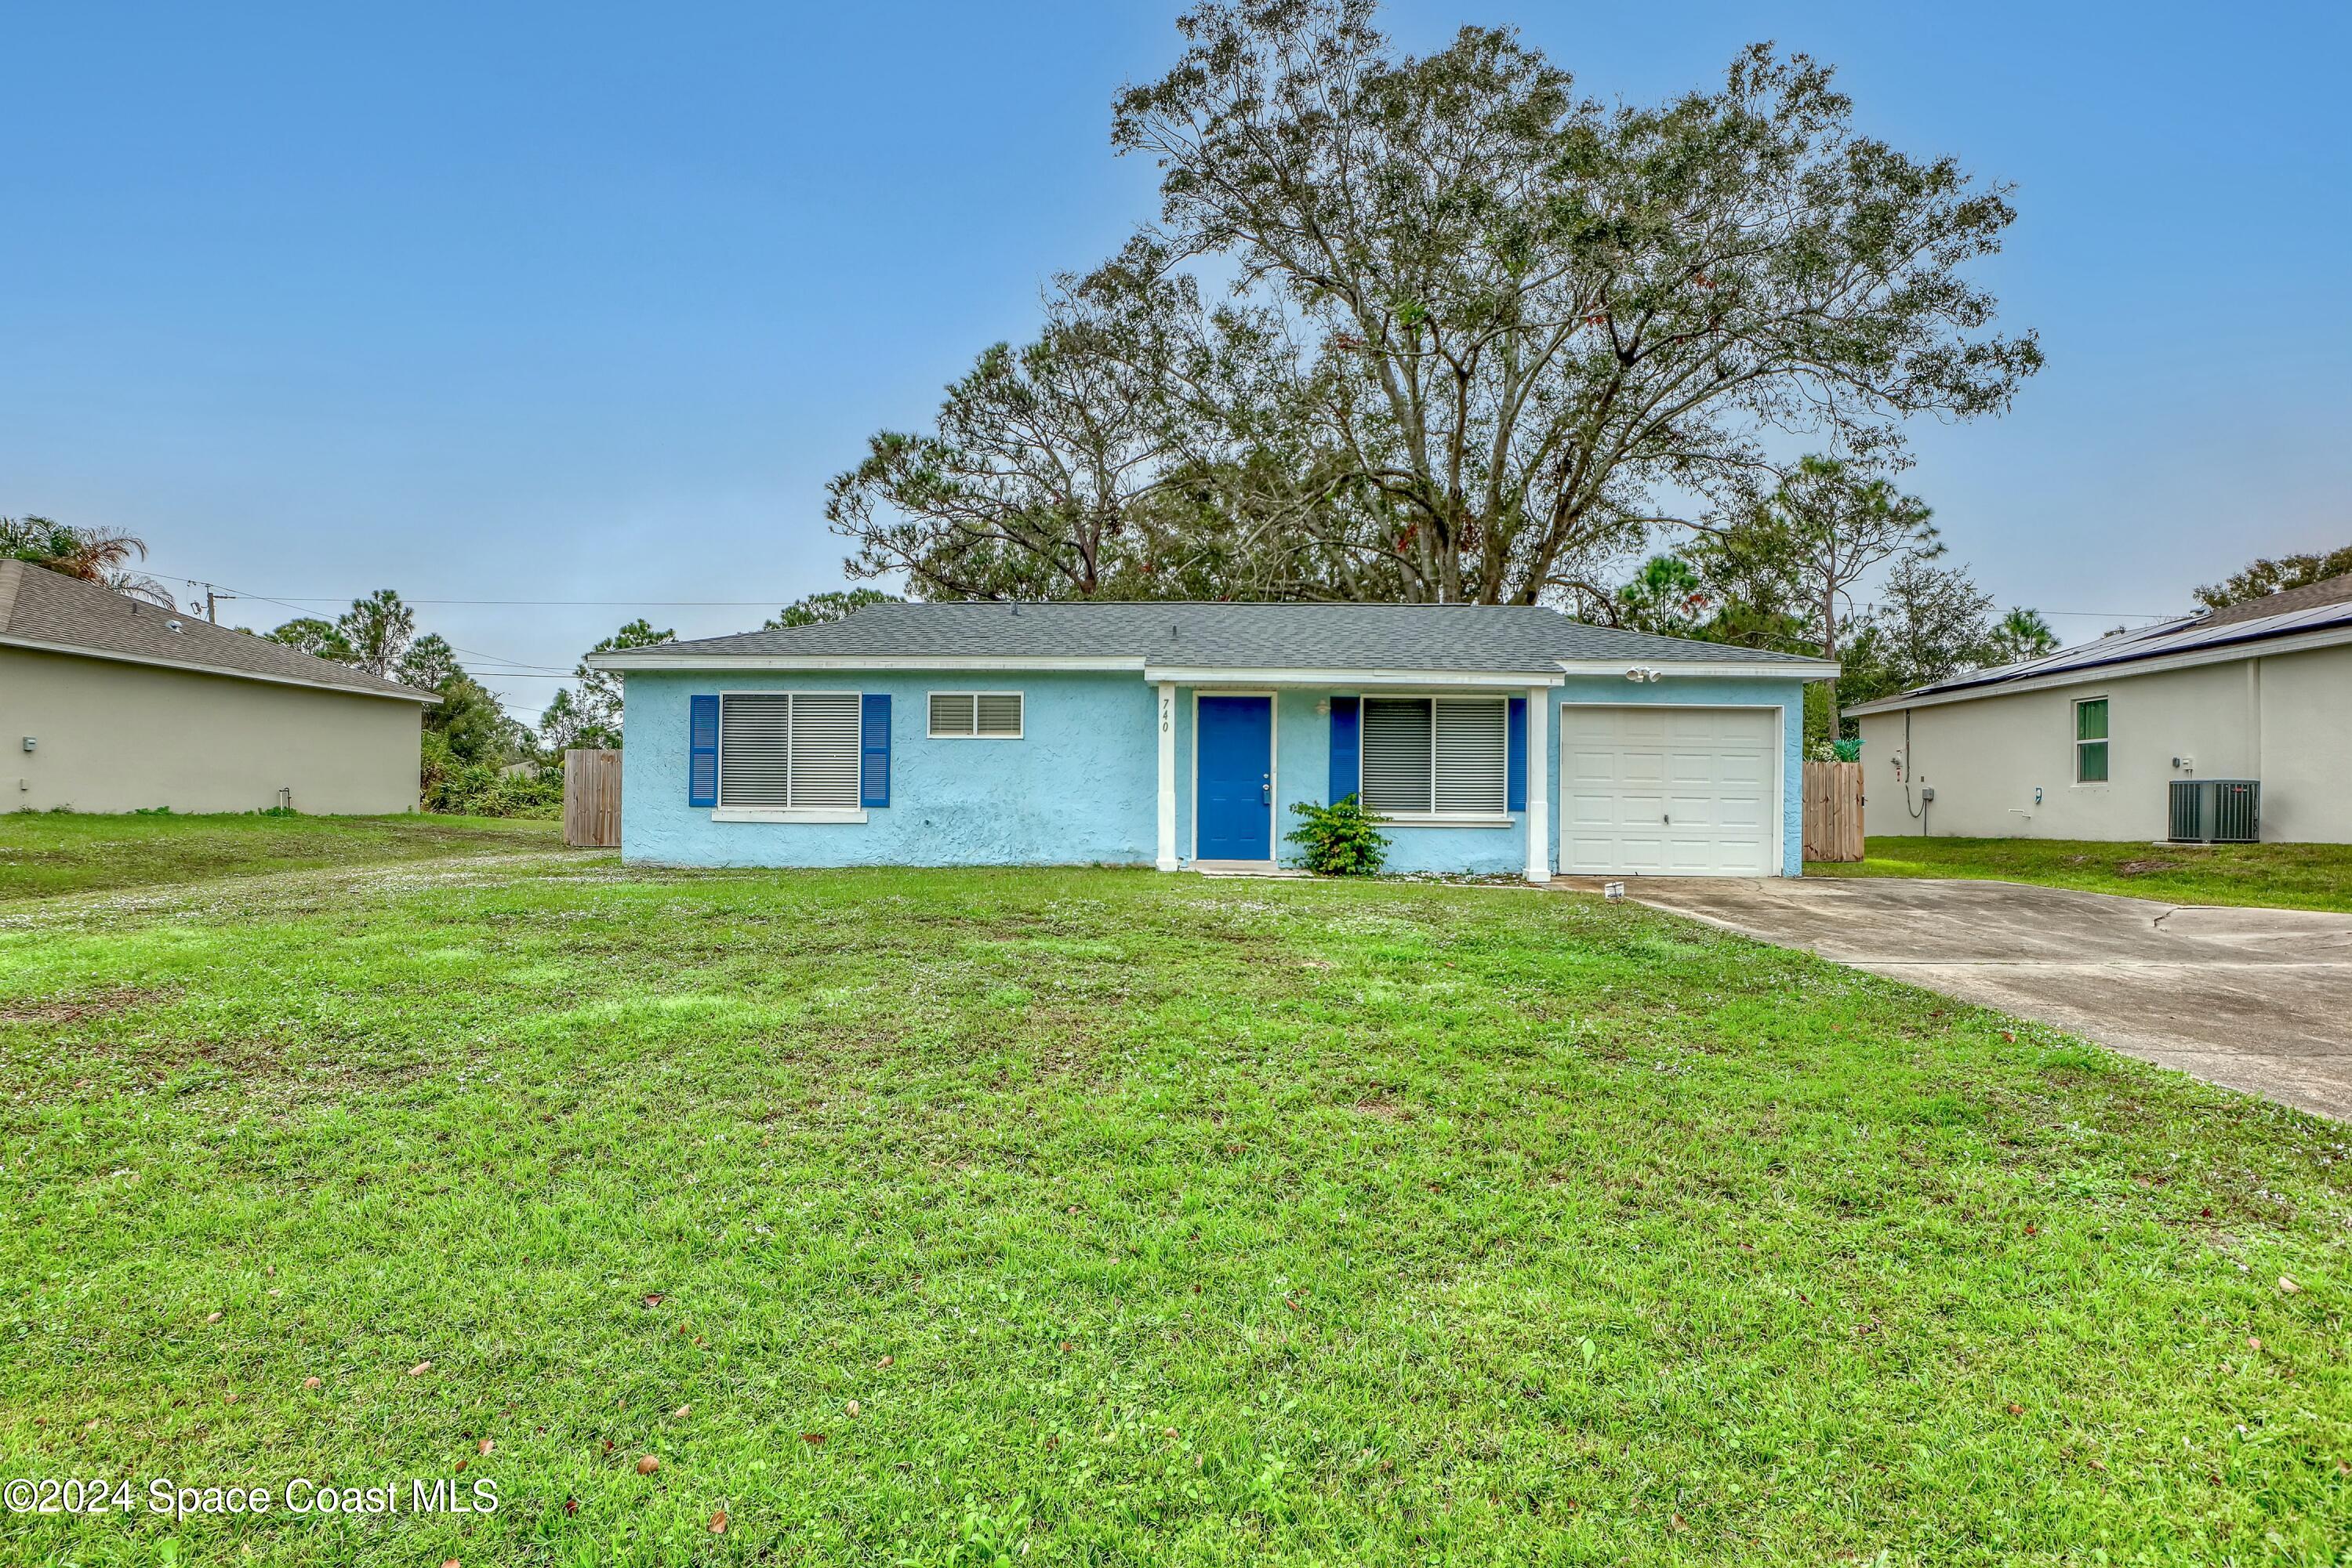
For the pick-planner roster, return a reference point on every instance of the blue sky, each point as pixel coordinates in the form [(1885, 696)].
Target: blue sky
[(582, 302)]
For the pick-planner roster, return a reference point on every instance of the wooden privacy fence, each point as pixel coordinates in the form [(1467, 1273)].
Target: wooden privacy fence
[(592, 800), (1833, 811)]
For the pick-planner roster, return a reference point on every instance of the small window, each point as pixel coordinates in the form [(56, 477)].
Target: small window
[(987, 715), (791, 750), (1442, 756), (2091, 742)]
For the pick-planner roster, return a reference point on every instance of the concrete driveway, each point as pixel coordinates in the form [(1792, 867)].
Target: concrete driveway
[(2259, 1000)]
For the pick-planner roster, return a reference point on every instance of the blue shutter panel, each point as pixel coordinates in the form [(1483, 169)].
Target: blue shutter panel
[(873, 750), (702, 751), (1514, 757), (1347, 750)]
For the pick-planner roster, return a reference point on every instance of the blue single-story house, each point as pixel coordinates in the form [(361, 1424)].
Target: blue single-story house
[(1494, 739)]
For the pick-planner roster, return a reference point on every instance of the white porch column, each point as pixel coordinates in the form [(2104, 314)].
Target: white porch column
[(1539, 783), (1167, 861)]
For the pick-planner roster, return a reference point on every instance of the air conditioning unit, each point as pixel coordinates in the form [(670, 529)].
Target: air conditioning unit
[(2216, 811)]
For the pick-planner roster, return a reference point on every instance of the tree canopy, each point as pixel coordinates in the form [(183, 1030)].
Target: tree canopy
[(2268, 576), (592, 719), (1482, 332)]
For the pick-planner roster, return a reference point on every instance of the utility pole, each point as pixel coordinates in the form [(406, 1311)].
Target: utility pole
[(212, 602)]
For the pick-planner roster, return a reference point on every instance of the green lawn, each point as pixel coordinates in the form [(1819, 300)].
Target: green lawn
[(1109, 1218), (43, 854), (2283, 876)]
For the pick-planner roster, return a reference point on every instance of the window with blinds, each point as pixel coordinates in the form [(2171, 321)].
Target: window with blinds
[(988, 715), (1435, 755), (796, 750)]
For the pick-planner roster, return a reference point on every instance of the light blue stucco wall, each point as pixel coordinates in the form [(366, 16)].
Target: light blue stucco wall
[(1082, 786)]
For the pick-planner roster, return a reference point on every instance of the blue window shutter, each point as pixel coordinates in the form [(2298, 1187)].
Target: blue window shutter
[(1514, 757), (702, 751), (874, 751), (1347, 750)]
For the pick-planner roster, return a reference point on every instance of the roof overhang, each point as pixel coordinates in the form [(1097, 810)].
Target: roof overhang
[(2115, 670), (400, 694), (1734, 670), (646, 661), (654, 659), (1216, 674)]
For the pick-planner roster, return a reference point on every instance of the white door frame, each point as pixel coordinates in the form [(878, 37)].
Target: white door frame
[(1779, 712), (1273, 761)]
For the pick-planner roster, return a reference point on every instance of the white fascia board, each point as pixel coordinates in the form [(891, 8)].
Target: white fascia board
[(653, 660), (1737, 669), (406, 694), (2121, 669), (1217, 675)]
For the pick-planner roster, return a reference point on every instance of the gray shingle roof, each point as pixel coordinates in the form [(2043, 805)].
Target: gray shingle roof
[(1513, 638), (42, 608)]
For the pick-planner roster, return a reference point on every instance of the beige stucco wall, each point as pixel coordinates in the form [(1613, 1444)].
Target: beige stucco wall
[(2285, 719), (112, 736)]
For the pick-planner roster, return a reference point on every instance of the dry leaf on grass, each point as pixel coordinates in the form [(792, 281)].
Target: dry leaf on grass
[(420, 1368), (719, 1522), (313, 1383), (484, 1445), (681, 1413), (648, 1464)]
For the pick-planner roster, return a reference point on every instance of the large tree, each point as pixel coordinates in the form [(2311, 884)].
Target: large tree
[(2268, 576), (1484, 330), (1033, 478)]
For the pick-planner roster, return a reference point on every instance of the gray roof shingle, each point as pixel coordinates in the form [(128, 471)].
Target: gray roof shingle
[(47, 609), (1513, 638)]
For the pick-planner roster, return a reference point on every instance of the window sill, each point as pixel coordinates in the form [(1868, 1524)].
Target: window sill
[(1447, 819), (788, 814)]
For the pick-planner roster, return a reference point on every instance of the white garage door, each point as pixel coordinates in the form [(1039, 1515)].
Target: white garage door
[(1669, 792)]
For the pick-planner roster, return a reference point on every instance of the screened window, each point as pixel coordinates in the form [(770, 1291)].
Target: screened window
[(2091, 742), (1435, 755), (988, 715), (795, 750)]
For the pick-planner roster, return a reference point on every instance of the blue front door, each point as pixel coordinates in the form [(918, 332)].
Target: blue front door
[(1235, 763)]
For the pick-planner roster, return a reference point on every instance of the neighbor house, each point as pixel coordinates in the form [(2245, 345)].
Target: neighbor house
[(109, 704), (2089, 743), (1498, 740)]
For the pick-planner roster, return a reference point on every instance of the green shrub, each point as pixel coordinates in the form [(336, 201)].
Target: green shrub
[(1342, 839), (484, 788)]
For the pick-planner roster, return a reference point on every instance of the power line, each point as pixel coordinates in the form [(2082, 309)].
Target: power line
[(553, 671)]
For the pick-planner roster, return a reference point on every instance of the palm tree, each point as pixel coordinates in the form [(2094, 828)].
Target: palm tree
[(99, 555)]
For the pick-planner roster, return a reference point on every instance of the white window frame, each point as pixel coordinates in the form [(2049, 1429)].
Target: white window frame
[(1020, 733), (2074, 728), (806, 814), (1502, 817)]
